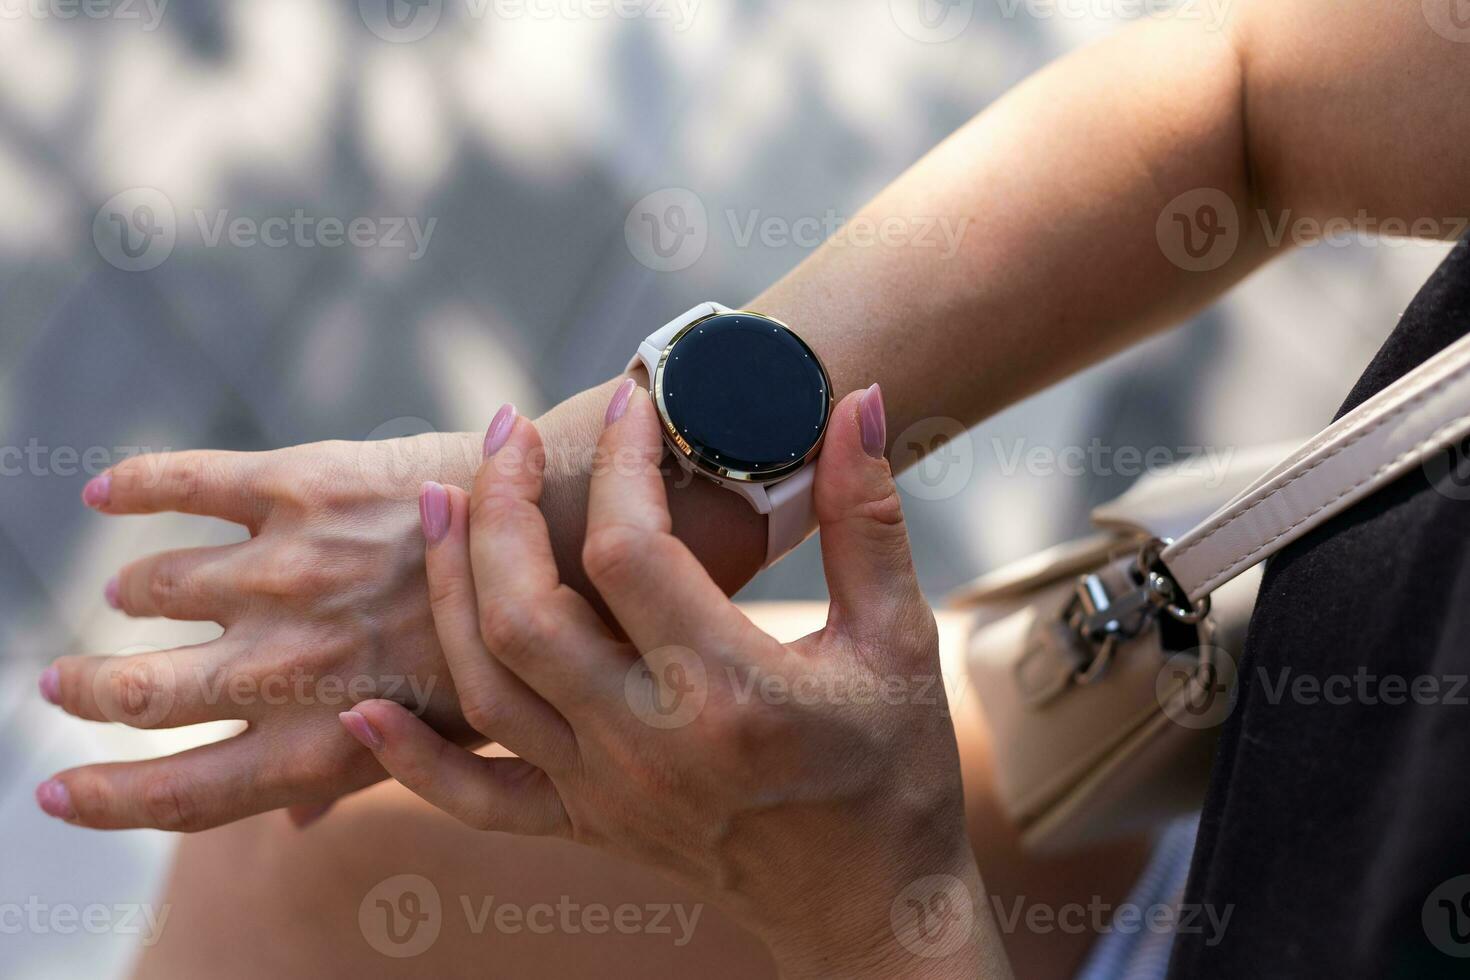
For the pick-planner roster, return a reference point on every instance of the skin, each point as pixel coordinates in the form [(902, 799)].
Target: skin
[(304, 888), (331, 583), (1293, 110), (757, 804)]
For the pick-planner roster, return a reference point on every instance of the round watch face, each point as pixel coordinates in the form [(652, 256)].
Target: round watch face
[(742, 396)]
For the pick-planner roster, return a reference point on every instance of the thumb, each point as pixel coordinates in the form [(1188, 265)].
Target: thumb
[(865, 544)]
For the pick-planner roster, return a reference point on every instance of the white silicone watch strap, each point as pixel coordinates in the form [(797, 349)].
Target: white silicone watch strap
[(791, 518)]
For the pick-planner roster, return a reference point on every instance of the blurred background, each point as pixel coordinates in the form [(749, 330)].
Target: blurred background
[(249, 225)]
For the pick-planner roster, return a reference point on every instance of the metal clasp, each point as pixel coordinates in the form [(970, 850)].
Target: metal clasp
[(1101, 622)]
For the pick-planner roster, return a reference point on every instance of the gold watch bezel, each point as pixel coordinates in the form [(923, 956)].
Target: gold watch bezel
[(698, 460)]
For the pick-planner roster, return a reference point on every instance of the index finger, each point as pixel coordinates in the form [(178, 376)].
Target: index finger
[(205, 482), (537, 626), (659, 592)]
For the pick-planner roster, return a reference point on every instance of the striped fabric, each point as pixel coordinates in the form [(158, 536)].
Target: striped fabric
[(1143, 953)]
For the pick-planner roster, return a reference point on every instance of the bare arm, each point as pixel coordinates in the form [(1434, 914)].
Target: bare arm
[(1294, 110), (1060, 190)]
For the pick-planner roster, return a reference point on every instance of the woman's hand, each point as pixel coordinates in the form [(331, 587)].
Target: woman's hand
[(326, 604), (813, 789)]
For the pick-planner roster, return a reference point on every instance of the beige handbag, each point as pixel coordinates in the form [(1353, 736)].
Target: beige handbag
[(1105, 666)]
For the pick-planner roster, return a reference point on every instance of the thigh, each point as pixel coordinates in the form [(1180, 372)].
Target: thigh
[(385, 885)]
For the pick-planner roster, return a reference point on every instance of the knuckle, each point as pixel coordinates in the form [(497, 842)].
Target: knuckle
[(510, 629), (131, 688), (186, 478), (483, 712), (495, 512), (883, 512), (447, 588), (614, 552), (171, 803), (92, 797), (295, 571), (168, 584), (482, 716)]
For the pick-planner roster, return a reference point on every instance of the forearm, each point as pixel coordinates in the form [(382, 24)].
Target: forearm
[(1049, 199), (1028, 245)]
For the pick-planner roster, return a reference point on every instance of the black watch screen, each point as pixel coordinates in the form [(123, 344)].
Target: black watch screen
[(743, 396)]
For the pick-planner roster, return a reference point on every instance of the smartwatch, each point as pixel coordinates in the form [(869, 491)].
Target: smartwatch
[(744, 403)]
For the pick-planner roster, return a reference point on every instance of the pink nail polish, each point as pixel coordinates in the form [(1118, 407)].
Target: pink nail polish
[(98, 491), (500, 428), (874, 423), (55, 800), (110, 593), (619, 403), (51, 685), (434, 511), (361, 729)]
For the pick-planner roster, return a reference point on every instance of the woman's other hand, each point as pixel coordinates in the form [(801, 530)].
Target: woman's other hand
[(812, 789)]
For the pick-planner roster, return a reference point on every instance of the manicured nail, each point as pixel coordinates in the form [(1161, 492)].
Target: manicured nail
[(434, 511), (873, 422), (361, 729), (619, 403), (98, 491), (499, 430), (55, 800), (110, 593), (51, 685)]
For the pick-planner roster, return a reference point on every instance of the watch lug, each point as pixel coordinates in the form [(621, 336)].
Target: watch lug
[(754, 493)]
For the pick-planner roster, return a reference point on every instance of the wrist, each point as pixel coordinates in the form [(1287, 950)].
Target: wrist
[(934, 925)]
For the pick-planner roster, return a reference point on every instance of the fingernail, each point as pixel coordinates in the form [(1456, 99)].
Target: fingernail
[(499, 430), (51, 685), (873, 422), (98, 491), (361, 729), (110, 593), (619, 403), (434, 511), (55, 800)]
